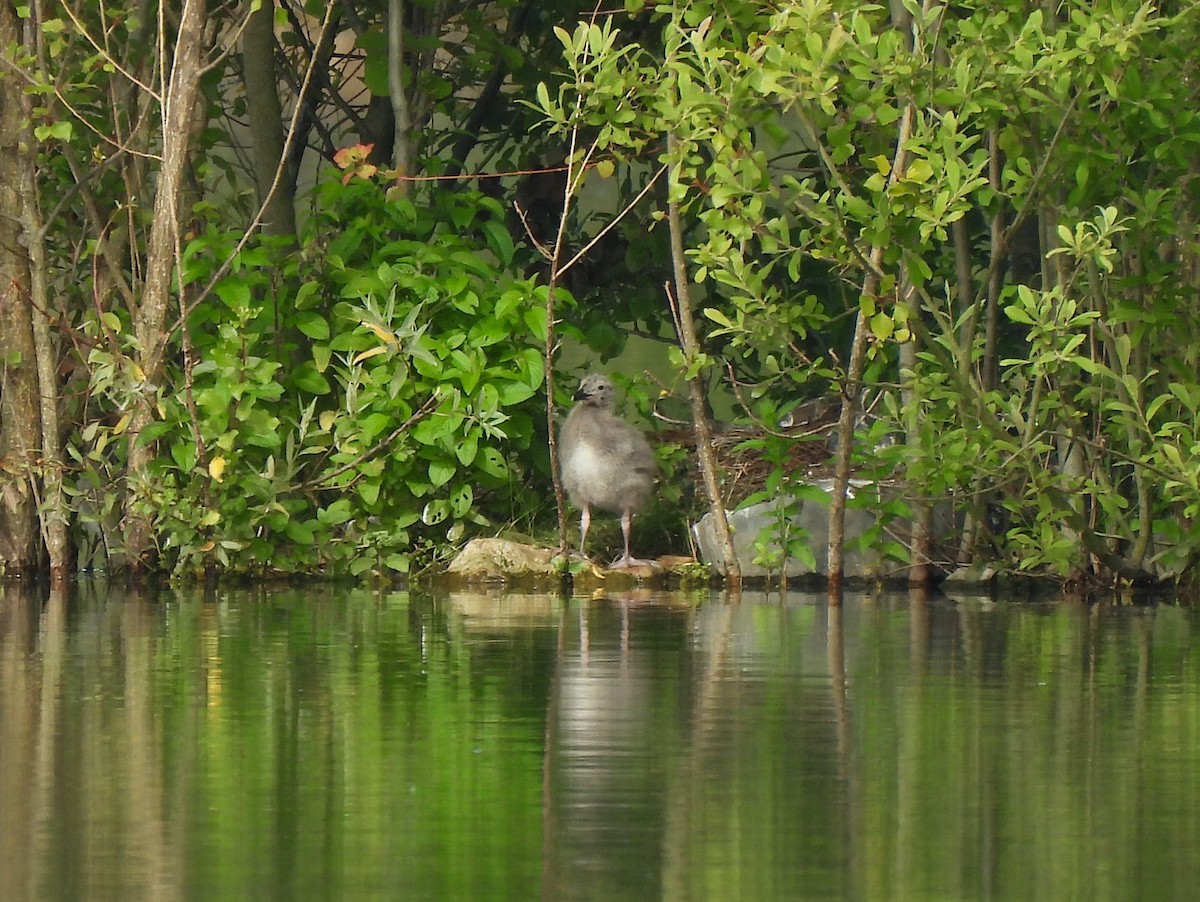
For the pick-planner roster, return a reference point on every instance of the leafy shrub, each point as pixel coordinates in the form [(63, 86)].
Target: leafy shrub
[(358, 403)]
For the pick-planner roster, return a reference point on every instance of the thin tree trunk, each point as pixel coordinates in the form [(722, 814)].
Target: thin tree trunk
[(275, 181), (179, 103), (989, 367), (852, 385), (966, 311), (53, 514), (976, 529), (700, 422), (921, 539), (851, 392), (402, 114)]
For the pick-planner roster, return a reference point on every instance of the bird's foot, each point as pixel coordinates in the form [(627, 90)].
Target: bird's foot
[(629, 562), (577, 562)]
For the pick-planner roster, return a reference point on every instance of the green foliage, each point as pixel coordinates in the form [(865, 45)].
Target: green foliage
[(841, 161), (358, 405), (1005, 199)]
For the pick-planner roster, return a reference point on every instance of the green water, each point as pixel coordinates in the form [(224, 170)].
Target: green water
[(345, 744)]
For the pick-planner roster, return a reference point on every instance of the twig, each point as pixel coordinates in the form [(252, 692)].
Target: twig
[(423, 411)]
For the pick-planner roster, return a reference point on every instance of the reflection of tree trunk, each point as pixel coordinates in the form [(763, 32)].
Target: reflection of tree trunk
[(53, 644), (179, 104), (835, 649), (151, 836), (687, 781), (265, 119), (910, 742), (19, 816), (550, 832)]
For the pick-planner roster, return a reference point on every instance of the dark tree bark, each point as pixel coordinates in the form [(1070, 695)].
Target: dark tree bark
[(20, 423), (276, 184)]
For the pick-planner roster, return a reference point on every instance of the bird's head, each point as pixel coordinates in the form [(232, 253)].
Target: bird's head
[(595, 390)]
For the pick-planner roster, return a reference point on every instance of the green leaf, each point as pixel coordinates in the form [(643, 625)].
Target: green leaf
[(719, 318), (368, 492), (321, 357), (1123, 345), (1018, 315), (184, 455), (535, 320), (435, 512), (337, 513), (300, 532), (512, 393), (492, 462), (307, 295), (60, 131), (441, 472), (398, 561), (467, 449), (882, 326), (313, 325), (308, 379), (499, 241), (151, 432), (918, 171), (460, 501), (234, 292)]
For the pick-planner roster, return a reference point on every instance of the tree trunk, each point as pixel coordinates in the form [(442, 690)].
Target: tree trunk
[(402, 115), (179, 102), (54, 514), (20, 423), (851, 390), (920, 570), (852, 385), (276, 183), (701, 426)]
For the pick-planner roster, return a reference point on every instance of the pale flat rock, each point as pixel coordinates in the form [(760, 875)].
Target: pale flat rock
[(502, 559)]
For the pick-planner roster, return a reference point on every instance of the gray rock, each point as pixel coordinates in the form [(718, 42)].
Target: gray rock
[(808, 522)]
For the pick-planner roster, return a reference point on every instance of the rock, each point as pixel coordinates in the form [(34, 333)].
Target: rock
[(508, 561), (499, 559), (974, 574), (808, 522)]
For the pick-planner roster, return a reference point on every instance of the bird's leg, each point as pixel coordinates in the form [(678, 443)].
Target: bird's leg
[(627, 560), (585, 520)]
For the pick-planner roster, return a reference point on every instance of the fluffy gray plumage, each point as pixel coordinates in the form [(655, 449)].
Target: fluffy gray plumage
[(606, 463)]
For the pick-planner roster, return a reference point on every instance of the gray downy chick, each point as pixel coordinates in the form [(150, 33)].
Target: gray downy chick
[(606, 462)]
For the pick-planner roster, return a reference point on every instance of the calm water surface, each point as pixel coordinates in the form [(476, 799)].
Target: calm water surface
[(345, 744)]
